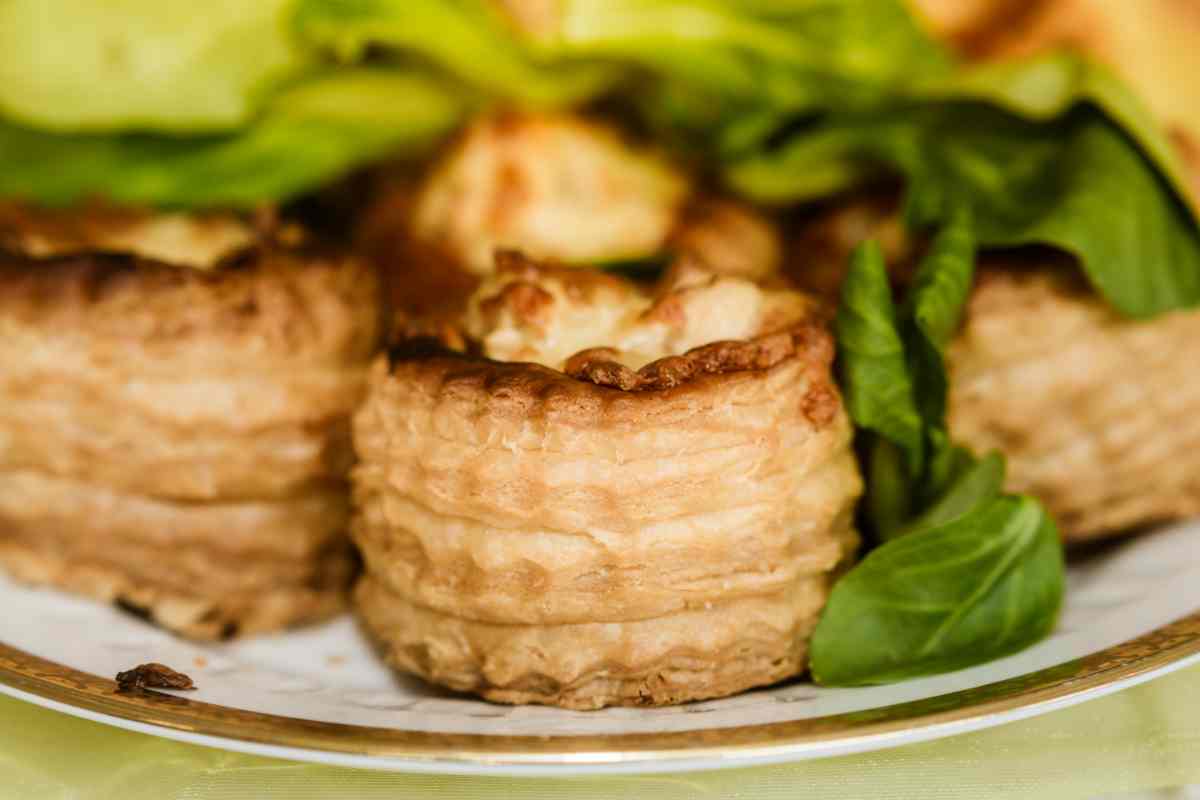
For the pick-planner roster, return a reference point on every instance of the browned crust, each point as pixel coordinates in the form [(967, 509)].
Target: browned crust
[(808, 340), (593, 386), (268, 302)]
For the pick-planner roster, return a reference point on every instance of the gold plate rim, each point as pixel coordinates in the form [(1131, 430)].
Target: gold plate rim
[(1024, 695)]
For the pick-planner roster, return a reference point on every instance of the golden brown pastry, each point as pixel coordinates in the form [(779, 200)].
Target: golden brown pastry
[(178, 438), (193, 240), (1096, 413), (1093, 410), (626, 497), (555, 186)]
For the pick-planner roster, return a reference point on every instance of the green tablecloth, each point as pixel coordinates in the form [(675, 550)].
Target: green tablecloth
[(1145, 737)]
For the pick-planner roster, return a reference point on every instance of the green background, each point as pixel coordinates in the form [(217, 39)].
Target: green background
[(1142, 738)]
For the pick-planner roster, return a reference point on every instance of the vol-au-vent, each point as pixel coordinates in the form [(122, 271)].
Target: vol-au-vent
[(177, 439), (591, 502)]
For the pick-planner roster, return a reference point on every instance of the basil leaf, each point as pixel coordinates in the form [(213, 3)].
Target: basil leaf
[(947, 463), (975, 482), (308, 135), (890, 493), (1079, 185), (875, 375), (1137, 243), (964, 574), (979, 587), (936, 302)]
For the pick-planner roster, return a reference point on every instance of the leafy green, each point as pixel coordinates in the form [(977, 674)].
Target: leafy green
[(981, 586), (939, 294), (1073, 181), (876, 381), (468, 38), (80, 65), (1049, 85), (1078, 184), (975, 481), (309, 134), (964, 574), (723, 74), (890, 490)]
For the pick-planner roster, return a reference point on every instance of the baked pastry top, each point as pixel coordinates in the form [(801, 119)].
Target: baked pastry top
[(552, 186), (555, 186), (569, 319), (192, 240)]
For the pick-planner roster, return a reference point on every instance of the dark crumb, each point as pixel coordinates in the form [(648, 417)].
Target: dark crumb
[(141, 612), (152, 676)]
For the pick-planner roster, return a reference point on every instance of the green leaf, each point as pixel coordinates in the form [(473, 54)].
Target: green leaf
[(711, 65), (974, 483), (307, 136), (1047, 86), (875, 376), (792, 54), (964, 574), (890, 490), (1077, 183), (935, 306), (468, 38), (1139, 246), (82, 65), (984, 585)]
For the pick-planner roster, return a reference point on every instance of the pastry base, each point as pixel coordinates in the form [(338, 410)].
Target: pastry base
[(204, 570), (694, 655)]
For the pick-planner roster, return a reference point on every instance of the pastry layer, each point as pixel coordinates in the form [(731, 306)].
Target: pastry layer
[(206, 570), (174, 438), (514, 493), (174, 382), (712, 651), (1097, 414)]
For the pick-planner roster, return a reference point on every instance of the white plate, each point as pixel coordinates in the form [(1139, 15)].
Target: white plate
[(322, 695)]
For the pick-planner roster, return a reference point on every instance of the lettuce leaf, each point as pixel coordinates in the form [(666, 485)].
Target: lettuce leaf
[(1077, 183), (79, 65), (724, 74), (308, 135), (467, 38)]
